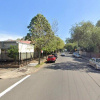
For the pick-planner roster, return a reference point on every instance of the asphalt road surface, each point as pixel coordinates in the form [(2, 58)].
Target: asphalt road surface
[(67, 79)]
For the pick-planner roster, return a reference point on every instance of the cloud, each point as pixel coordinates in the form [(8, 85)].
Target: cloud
[(6, 35)]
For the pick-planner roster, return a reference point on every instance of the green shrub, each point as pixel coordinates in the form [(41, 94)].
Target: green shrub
[(13, 52)]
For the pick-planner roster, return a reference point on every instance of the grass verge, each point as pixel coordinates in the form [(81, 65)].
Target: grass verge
[(37, 66)]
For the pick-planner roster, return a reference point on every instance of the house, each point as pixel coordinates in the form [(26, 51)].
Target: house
[(23, 48)]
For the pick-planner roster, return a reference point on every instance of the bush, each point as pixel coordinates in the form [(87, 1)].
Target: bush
[(71, 47), (13, 52)]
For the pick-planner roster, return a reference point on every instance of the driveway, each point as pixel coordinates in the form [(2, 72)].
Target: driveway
[(67, 79)]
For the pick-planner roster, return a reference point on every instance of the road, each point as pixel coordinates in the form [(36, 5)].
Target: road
[(67, 79)]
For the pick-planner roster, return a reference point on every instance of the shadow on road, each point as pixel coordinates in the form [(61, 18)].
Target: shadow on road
[(80, 60), (75, 59), (74, 66), (67, 55)]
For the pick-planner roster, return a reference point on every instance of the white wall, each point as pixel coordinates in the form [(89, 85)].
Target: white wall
[(0, 51), (25, 47)]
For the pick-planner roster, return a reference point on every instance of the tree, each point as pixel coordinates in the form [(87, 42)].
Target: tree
[(50, 46), (60, 43), (54, 44), (81, 33), (98, 23), (40, 32), (87, 36), (18, 39), (55, 26), (69, 40), (71, 47), (95, 38), (28, 37), (13, 52)]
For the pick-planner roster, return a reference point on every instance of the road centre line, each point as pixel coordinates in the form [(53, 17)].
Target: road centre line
[(14, 85)]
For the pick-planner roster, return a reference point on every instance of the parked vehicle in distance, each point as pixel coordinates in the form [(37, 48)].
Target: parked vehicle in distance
[(75, 54), (63, 54), (51, 58), (70, 52), (55, 55), (78, 55), (95, 62)]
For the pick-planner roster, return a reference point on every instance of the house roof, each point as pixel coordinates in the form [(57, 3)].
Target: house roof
[(20, 41), (26, 42)]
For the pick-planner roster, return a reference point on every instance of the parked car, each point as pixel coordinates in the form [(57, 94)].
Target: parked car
[(63, 54), (70, 52), (51, 58), (78, 55), (95, 62), (75, 54), (55, 55)]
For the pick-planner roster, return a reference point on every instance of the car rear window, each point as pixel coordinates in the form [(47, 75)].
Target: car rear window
[(98, 60), (50, 56)]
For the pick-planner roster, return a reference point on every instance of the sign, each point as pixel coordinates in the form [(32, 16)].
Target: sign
[(41, 51)]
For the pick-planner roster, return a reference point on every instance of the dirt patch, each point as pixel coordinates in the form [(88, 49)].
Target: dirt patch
[(22, 71), (16, 65)]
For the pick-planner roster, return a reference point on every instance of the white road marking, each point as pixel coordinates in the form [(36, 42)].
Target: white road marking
[(14, 85)]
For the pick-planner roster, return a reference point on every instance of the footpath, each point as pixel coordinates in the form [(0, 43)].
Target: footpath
[(6, 73)]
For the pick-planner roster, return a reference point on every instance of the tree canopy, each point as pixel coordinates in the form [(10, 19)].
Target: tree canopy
[(98, 23), (39, 30), (87, 36), (71, 47), (41, 33), (54, 44)]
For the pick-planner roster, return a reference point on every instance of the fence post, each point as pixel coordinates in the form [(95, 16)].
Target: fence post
[(20, 57), (5, 56), (15, 57), (26, 58), (1, 58), (33, 55), (30, 56), (42, 55)]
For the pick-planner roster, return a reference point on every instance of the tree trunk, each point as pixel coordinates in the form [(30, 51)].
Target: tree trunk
[(39, 56), (46, 54)]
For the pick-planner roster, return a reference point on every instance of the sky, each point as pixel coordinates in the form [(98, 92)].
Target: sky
[(15, 15)]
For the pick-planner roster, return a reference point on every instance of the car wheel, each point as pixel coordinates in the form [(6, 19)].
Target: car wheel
[(95, 66)]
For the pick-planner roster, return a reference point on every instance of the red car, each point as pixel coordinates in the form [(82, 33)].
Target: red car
[(51, 58)]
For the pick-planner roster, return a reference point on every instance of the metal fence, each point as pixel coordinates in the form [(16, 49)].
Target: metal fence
[(15, 59)]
